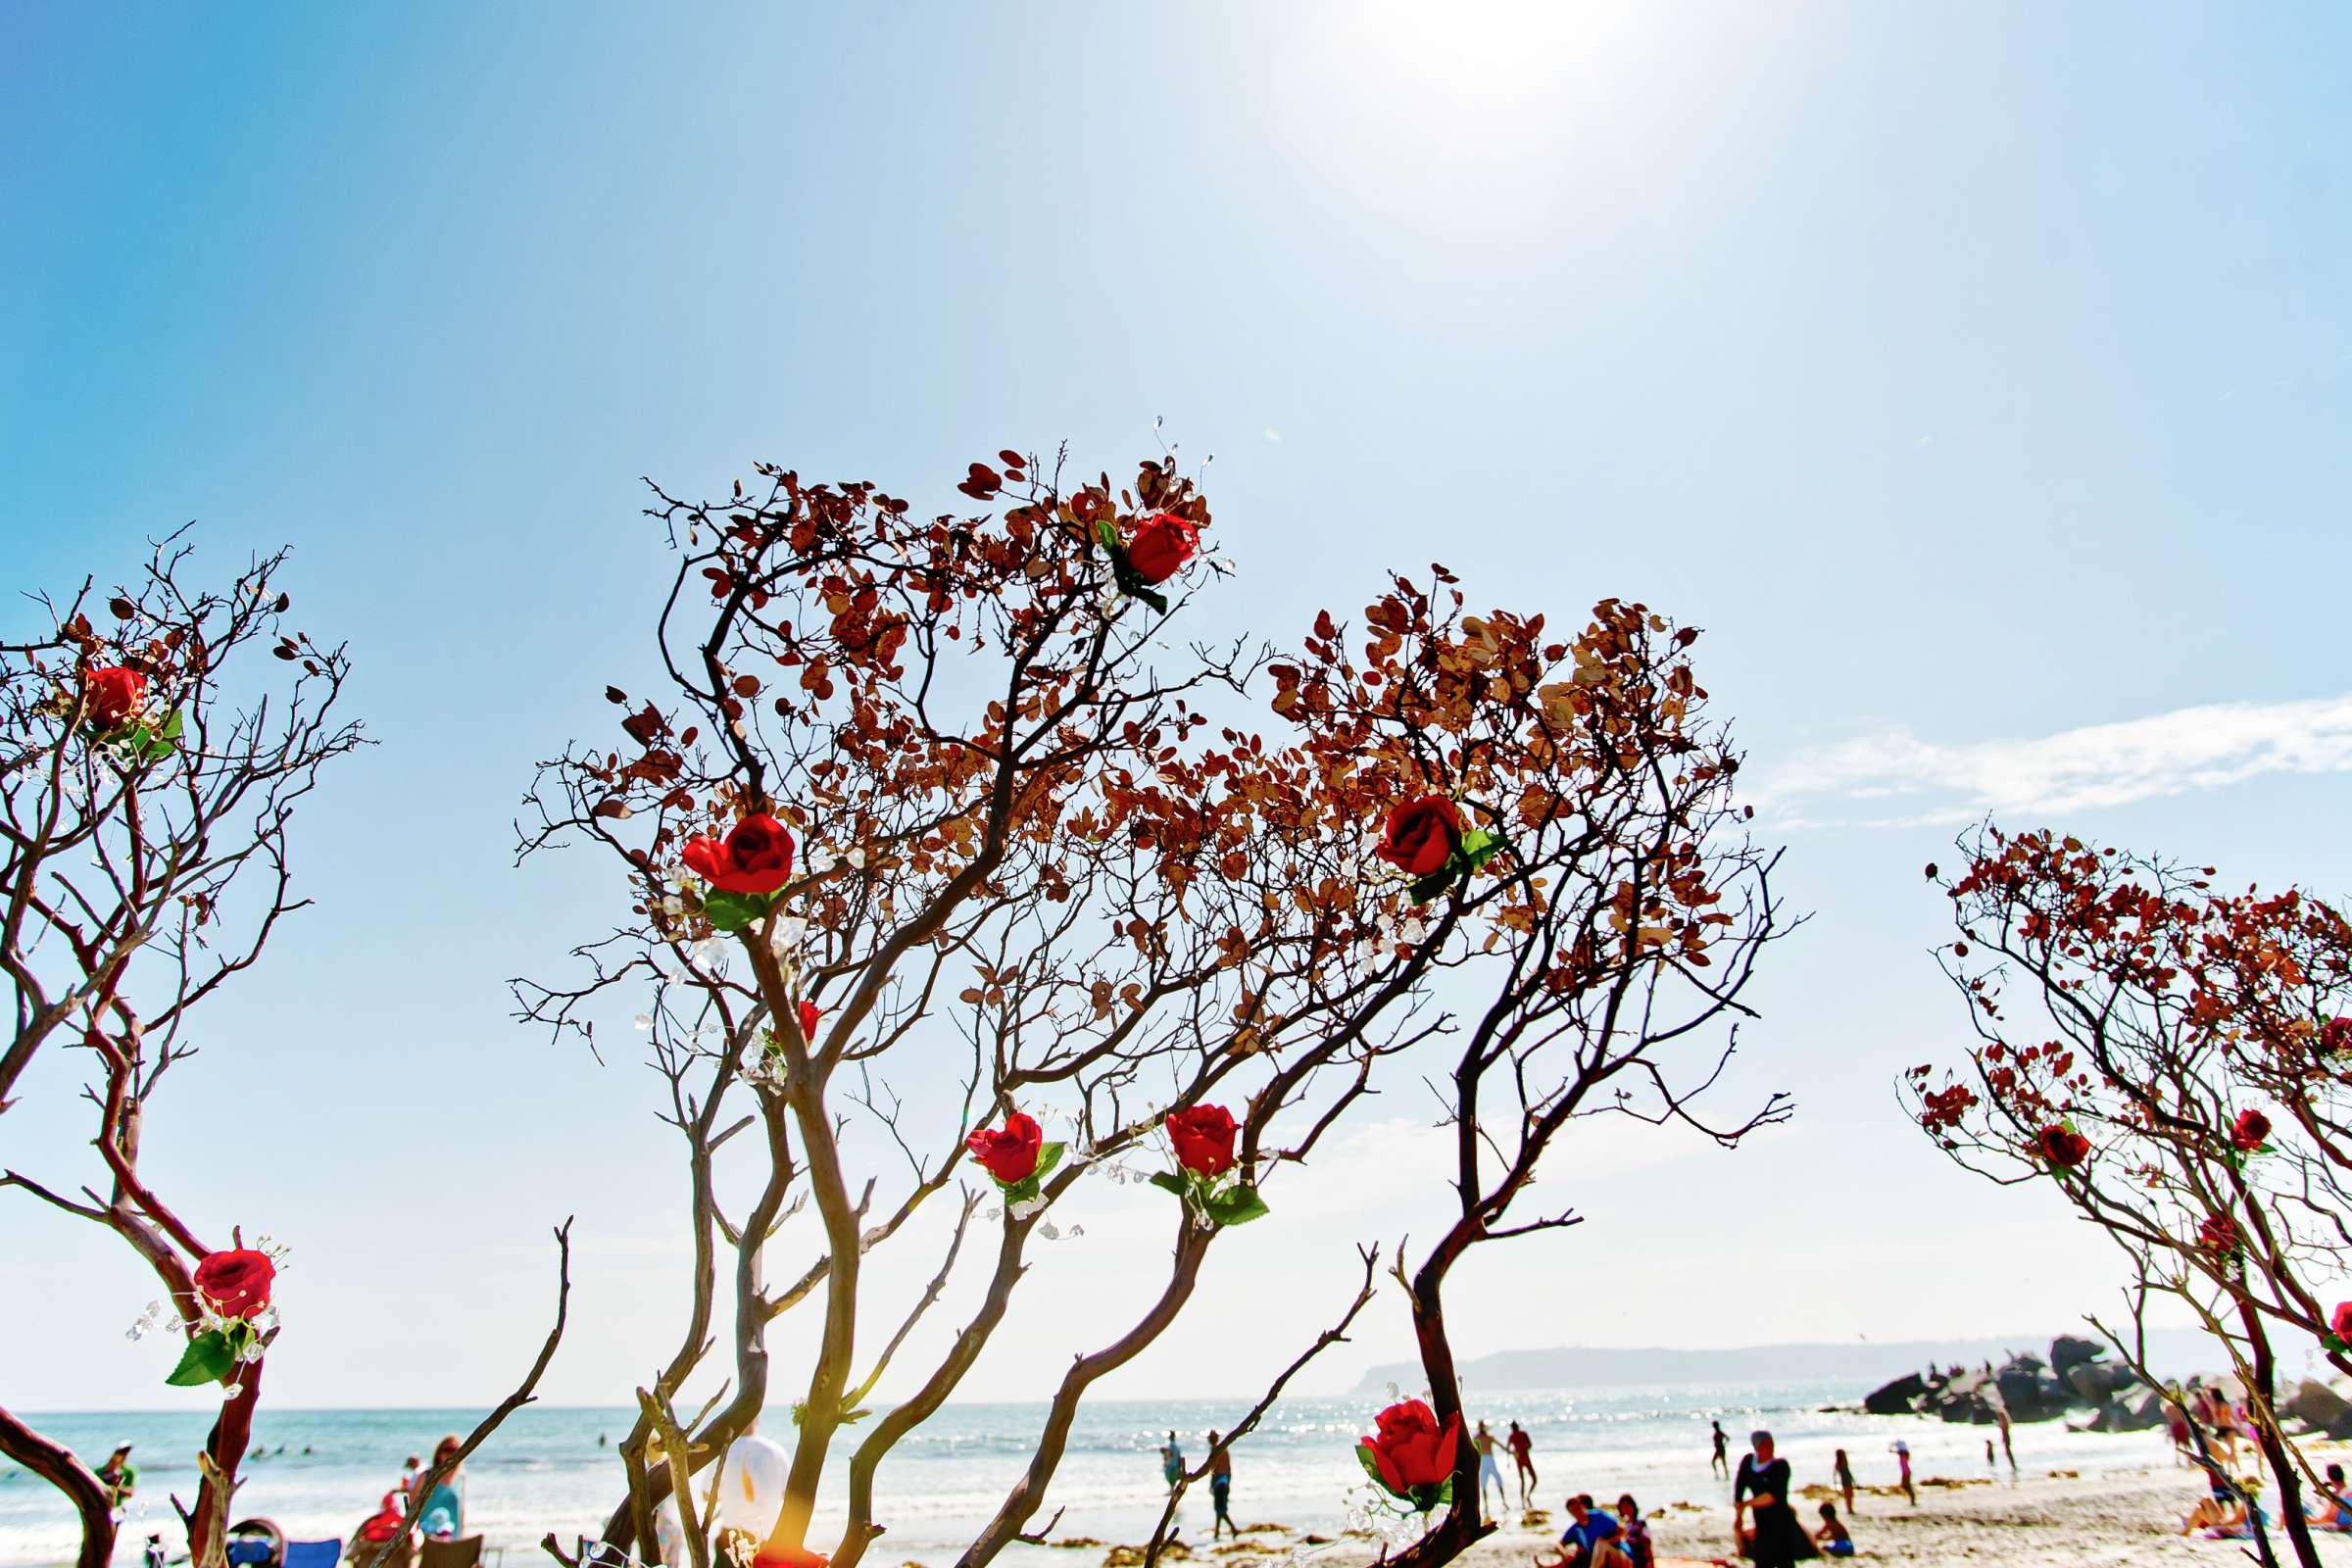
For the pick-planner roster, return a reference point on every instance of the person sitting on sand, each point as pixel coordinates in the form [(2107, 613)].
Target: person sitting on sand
[(2330, 1510), (1831, 1537), (2228, 1512), (1636, 1533), (1591, 1539)]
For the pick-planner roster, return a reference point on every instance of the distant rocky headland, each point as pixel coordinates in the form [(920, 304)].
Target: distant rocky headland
[(1864, 1364)]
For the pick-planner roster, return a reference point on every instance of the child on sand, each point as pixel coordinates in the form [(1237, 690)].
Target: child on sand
[(1635, 1533), (2330, 1510), (1831, 1537), (1902, 1456), (1843, 1470)]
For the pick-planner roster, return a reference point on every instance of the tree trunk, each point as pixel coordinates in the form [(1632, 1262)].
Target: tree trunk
[(1465, 1521), (56, 1464), (223, 1451), (2265, 1417)]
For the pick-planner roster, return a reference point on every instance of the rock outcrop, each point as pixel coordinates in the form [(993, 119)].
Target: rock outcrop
[(2024, 1388)]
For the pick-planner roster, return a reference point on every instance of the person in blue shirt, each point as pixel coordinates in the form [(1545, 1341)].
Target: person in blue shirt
[(1593, 1540)]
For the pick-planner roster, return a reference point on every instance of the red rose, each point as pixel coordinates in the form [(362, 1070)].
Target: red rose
[(2062, 1146), (788, 1557), (236, 1283), (2336, 1035), (115, 697), (2341, 1325), (2250, 1131), (756, 856), (1009, 1152), (2219, 1233), (1161, 546), (809, 1017), (1411, 1449), (1422, 835), (1203, 1139)]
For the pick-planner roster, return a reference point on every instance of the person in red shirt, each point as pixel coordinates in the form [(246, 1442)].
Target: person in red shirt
[(1522, 1448)]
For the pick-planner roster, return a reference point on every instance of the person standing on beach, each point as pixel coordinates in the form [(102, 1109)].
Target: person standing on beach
[(1723, 1451), (1760, 1493), (1523, 1448), (120, 1477), (444, 1513), (1488, 1469), (1902, 1456), (1843, 1470), (1171, 1462), (2008, 1452), (1220, 1488)]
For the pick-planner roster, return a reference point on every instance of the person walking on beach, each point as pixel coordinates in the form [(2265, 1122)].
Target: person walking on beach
[(1843, 1469), (1760, 1504), (1220, 1488), (1489, 1470), (120, 1477), (1171, 1462), (1902, 1456), (2008, 1450), (1523, 1448), (1723, 1451)]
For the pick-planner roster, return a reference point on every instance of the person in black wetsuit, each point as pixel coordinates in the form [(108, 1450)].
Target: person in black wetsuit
[(1760, 1493)]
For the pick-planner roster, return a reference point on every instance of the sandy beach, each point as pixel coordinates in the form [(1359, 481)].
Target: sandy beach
[(2054, 1521)]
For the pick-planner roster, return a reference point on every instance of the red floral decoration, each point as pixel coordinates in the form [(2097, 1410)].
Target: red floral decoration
[(1411, 1454), (2250, 1131), (754, 858), (809, 1017), (2062, 1146), (115, 697), (2219, 1234), (1161, 546), (1009, 1152), (236, 1283), (1204, 1137), (1421, 835)]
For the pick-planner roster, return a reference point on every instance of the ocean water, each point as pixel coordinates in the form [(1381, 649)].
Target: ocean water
[(544, 1470)]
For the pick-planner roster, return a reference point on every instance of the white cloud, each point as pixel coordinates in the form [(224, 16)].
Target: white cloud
[(1894, 778)]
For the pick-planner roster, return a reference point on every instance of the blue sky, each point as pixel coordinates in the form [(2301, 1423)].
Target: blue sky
[(1978, 376)]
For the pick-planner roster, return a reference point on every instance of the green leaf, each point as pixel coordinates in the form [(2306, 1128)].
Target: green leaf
[(1024, 1190), (1479, 846), (1237, 1207), (209, 1358), (1107, 534), (1049, 1156), (733, 911), (1167, 1181)]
